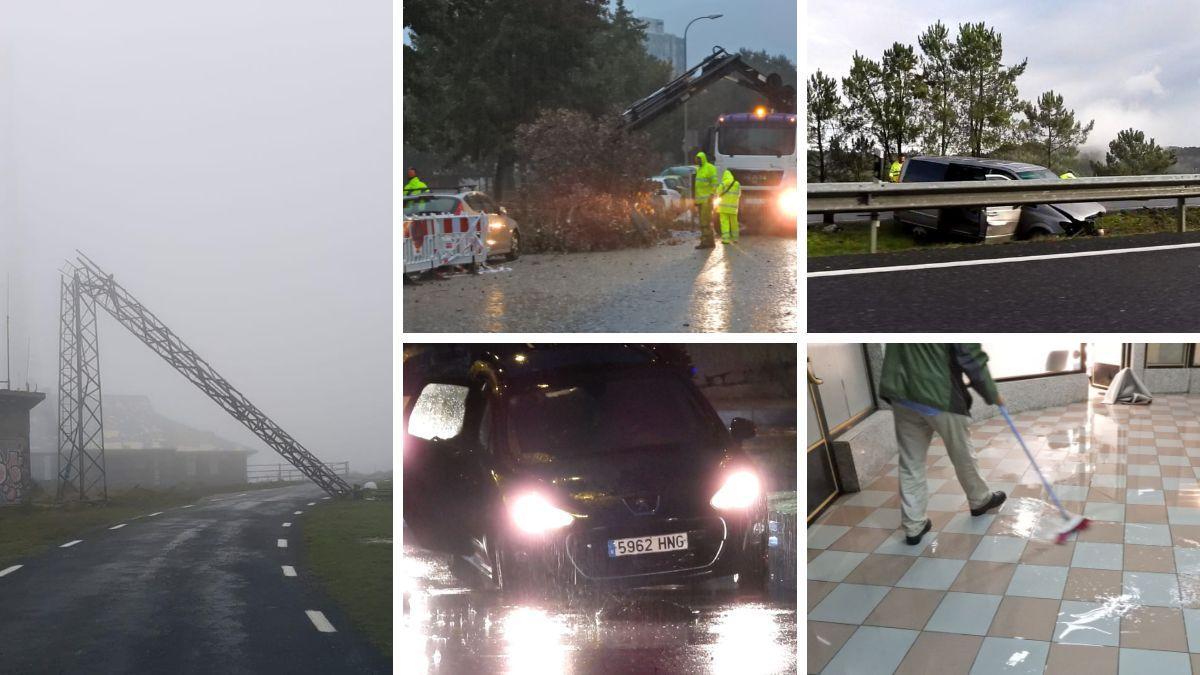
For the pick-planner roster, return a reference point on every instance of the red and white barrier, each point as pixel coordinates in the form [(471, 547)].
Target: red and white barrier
[(434, 241)]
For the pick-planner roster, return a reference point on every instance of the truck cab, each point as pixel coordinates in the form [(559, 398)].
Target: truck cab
[(760, 149)]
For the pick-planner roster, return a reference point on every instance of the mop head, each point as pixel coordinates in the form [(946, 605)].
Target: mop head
[(1072, 524)]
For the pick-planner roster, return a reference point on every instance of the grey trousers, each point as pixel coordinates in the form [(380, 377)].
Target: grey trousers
[(914, 431)]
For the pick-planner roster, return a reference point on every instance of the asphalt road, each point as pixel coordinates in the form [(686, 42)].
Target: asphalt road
[(1145, 291), (197, 589), (748, 287), (446, 628)]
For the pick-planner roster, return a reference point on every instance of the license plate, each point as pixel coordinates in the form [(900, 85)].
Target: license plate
[(656, 543)]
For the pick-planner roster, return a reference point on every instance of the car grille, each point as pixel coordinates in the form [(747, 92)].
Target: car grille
[(588, 550), (751, 178)]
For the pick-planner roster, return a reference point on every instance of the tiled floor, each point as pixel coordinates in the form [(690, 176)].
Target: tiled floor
[(993, 594)]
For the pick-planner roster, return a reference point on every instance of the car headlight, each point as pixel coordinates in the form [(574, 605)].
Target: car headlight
[(496, 225), (789, 202), (740, 490), (533, 514)]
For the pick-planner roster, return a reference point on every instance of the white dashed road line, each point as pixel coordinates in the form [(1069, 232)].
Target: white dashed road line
[(156, 513), (296, 513), (287, 524), (188, 506), (312, 503), (117, 527), (319, 620), (71, 543), (289, 571), (282, 543), (324, 498), (9, 570)]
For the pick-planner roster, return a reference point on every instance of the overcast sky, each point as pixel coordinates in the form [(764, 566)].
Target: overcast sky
[(230, 163), (1122, 64), (753, 24)]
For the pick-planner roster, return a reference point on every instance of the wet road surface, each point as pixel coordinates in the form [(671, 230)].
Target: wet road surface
[(748, 287), (199, 589), (446, 628)]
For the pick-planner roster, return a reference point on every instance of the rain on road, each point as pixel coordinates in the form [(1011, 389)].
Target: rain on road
[(447, 628), (747, 287)]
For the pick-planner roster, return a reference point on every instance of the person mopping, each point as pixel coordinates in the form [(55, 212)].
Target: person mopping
[(730, 193), (925, 385)]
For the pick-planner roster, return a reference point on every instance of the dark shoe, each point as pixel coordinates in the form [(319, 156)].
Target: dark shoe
[(914, 540), (704, 245), (997, 499)]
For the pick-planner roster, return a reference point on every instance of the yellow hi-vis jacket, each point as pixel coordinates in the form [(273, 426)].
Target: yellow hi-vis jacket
[(894, 172), (414, 186), (706, 178), (731, 193)]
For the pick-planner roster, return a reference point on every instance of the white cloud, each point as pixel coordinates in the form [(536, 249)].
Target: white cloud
[(1145, 83)]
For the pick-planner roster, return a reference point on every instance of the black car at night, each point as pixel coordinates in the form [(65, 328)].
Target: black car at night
[(581, 464)]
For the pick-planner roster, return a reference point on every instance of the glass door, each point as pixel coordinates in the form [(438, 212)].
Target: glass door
[(823, 486)]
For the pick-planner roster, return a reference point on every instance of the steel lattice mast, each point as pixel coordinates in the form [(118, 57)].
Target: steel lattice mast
[(80, 415), (101, 290)]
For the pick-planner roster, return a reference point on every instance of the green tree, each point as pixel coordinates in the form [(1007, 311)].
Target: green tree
[(1052, 127), (986, 89), (475, 70), (824, 109), (939, 130), (882, 97), (1130, 154)]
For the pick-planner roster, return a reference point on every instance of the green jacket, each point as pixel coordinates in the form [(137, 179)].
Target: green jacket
[(932, 375), (415, 186), (706, 178), (731, 192)]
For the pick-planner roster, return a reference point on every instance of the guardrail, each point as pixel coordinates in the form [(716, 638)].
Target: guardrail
[(877, 197), (286, 473)]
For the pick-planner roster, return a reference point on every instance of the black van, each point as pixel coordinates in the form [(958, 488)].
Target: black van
[(993, 223)]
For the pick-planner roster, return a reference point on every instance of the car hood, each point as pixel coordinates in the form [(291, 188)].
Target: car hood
[(617, 485), (1080, 211)]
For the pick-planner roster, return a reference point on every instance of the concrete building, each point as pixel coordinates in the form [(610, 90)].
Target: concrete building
[(15, 481), (664, 46)]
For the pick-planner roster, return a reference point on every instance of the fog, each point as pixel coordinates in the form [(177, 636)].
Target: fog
[(229, 162)]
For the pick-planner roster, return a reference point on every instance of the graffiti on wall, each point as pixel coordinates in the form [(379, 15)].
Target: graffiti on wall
[(14, 475)]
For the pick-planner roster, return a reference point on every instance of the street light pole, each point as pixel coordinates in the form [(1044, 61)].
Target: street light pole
[(685, 67)]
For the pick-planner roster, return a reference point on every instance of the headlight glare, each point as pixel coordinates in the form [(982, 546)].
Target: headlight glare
[(534, 514), (740, 490)]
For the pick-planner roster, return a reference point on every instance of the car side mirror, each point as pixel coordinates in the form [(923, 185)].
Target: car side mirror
[(503, 211), (742, 429)]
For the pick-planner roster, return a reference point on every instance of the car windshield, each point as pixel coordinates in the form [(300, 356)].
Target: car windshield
[(420, 204), (599, 414), (1038, 173), (756, 140)]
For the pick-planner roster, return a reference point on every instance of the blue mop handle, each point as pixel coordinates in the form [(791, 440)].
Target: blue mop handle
[(1046, 483)]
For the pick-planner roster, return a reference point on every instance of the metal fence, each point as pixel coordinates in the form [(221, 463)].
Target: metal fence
[(877, 197), (286, 473)]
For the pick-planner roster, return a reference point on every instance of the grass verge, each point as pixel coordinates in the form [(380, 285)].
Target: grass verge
[(348, 546), (855, 237), (29, 529)]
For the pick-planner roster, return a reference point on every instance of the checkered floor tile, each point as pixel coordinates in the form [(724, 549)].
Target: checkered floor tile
[(994, 594)]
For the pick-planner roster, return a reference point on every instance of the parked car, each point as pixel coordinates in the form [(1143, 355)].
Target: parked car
[(993, 223), (581, 466), (686, 173), (502, 234), (665, 195)]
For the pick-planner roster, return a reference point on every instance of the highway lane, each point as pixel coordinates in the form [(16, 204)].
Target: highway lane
[(195, 589), (1147, 289)]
